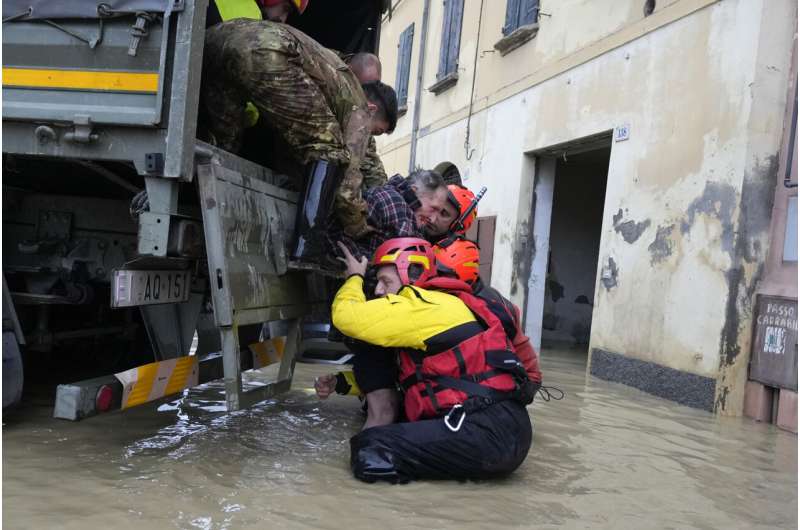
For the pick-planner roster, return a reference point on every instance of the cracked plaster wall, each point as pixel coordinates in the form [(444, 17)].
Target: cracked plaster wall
[(704, 97)]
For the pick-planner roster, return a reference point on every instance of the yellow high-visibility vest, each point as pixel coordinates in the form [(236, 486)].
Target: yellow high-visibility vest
[(230, 9)]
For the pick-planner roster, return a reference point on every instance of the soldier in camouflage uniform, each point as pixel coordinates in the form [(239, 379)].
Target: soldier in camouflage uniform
[(312, 100), (372, 167), (367, 67)]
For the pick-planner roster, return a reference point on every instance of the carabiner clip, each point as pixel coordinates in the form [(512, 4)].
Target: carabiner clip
[(460, 421)]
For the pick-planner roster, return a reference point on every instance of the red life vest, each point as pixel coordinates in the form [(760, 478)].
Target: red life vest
[(480, 365)]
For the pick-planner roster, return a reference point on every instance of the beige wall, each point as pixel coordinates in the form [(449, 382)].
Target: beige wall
[(702, 85), (573, 26)]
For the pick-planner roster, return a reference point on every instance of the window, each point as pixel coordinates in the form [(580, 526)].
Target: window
[(403, 67), (520, 13), (521, 24), (451, 43), (482, 232)]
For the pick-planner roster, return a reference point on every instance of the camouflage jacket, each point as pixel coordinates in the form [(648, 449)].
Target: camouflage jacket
[(303, 90)]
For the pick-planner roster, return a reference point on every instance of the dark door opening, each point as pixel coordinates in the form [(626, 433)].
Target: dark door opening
[(577, 216), (569, 197)]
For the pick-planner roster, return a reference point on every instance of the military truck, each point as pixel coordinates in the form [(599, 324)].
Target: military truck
[(100, 104)]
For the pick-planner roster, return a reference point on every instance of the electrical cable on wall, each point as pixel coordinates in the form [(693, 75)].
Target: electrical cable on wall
[(467, 151)]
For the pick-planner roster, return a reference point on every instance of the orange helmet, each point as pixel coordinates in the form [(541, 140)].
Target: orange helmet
[(403, 252), (458, 257), (461, 198), (301, 5)]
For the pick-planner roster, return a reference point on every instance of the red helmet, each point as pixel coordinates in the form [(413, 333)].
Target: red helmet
[(458, 257), (403, 252), (301, 5), (461, 198)]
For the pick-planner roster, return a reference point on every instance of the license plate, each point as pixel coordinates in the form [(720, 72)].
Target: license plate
[(133, 288)]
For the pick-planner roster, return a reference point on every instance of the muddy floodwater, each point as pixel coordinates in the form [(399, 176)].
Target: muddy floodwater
[(606, 456)]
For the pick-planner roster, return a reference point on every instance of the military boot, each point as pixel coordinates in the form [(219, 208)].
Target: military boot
[(322, 180)]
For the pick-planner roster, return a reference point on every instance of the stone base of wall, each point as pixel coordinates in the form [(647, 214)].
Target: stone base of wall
[(682, 387), (787, 410), (758, 401)]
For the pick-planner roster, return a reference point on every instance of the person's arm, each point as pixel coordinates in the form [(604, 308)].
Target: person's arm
[(392, 215), (525, 351), (342, 383), (386, 321), (372, 168), (351, 209)]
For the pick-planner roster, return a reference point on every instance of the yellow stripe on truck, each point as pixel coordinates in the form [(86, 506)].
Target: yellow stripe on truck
[(181, 375), (142, 385), (155, 380), (81, 80), (267, 352)]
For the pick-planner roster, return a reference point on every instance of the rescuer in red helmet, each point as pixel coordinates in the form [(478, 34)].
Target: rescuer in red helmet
[(460, 259), (465, 389), (440, 209), (461, 198)]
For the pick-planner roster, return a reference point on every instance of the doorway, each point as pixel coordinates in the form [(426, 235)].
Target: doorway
[(569, 199), (449, 173)]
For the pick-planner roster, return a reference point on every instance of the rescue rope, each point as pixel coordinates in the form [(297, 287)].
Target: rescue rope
[(546, 392)]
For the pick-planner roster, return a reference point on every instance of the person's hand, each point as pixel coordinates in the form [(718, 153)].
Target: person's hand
[(354, 265), (325, 385)]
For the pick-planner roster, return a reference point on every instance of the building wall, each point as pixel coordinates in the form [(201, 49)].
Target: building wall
[(702, 87)]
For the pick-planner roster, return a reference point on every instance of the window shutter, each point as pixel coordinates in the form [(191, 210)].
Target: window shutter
[(404, 65), (530, 12), (445, 47), (451, 37), (512, 16), (398, 78), (456, 16)]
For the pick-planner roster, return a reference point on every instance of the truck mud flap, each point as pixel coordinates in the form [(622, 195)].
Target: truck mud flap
[(248, 224)]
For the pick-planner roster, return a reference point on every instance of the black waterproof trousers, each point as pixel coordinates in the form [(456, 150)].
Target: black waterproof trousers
[(491, 442)]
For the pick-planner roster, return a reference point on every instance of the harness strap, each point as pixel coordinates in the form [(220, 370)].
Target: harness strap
[(428, 387), (462, 364), (472, 389), (483, 376), (420, 377)]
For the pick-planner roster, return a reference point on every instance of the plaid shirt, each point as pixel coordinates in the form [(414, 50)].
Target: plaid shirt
[(390, 211)]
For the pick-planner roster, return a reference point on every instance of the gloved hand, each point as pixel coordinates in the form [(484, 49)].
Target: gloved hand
[(140, 203), (343, 383), (250, 115), (325, 385)]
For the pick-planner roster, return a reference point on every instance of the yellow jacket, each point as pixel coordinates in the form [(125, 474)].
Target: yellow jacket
[(406, 319)]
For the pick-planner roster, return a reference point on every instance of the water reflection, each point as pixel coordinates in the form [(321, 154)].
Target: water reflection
[(606, 456)]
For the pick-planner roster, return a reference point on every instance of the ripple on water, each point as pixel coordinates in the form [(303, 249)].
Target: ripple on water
[(605, 456)]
